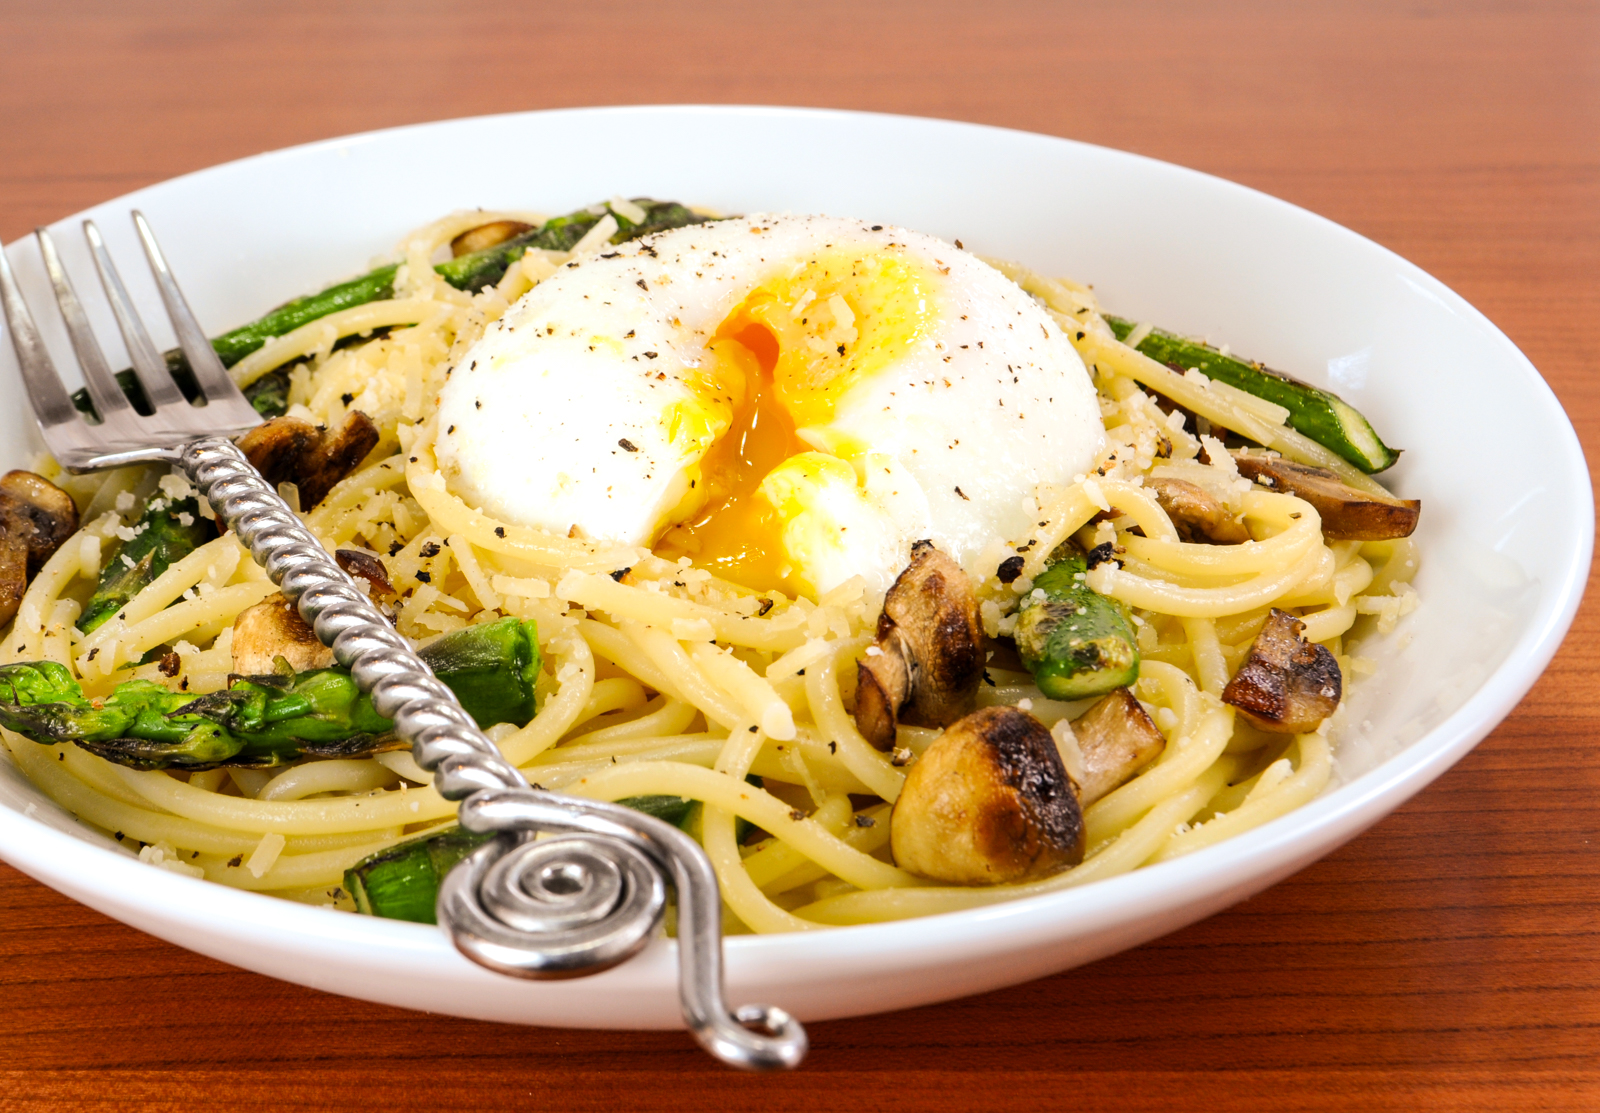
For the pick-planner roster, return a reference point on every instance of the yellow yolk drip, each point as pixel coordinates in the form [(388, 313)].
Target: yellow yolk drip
[(783, 359)]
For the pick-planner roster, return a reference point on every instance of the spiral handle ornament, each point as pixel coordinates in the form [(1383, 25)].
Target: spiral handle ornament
[(585, 897)]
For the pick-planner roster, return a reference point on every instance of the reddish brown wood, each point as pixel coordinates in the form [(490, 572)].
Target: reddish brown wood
[(1449, 959)]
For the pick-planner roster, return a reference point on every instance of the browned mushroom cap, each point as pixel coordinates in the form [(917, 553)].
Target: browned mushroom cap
[(36, 516), (1196, 514), (929, 650), (486, 235), (1116, 738), (989, 802), (1347, 514), (288, 450), (1286, 685), (272, 629)]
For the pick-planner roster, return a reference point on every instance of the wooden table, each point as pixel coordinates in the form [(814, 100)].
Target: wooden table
[(1421, 966)]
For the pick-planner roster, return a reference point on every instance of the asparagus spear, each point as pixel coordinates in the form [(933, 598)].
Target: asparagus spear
[(1075, 641), (168, 531), (1325, 418), (469, 272), (402, 882), (264, 720)]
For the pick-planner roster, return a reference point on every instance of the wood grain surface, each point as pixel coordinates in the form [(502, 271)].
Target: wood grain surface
[(1448, 959)]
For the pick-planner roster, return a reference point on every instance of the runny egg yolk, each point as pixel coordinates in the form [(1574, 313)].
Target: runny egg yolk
[(779, 363)]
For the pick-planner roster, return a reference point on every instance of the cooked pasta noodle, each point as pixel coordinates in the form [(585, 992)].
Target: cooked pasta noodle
[(674, 682)]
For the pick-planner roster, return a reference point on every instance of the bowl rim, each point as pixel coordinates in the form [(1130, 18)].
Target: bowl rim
[(1341, 812)]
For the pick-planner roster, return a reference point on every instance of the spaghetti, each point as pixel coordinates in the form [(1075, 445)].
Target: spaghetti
[(671, 681)]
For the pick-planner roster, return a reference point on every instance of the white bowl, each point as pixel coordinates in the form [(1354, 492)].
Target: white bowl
[(1506, 534)]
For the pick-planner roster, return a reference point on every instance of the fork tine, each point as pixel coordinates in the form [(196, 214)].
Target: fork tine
[(116, 412), (225, 401), (147, 362), (51, 403)]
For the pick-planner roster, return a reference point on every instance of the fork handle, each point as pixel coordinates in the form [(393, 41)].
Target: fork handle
[(557, 907)]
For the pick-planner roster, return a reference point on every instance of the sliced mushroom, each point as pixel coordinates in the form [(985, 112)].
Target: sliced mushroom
[(1347, 514), (272, 629), (494, 233), (1286, 685), (365, 566), (929, 651), (1108, 744), (989, 802), (36, 517), (289, 450), (1196, 514)]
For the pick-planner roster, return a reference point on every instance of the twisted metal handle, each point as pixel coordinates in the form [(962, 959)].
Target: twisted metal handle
[(575, 903)]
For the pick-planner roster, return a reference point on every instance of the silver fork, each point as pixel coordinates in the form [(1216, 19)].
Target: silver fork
[(585, 897)]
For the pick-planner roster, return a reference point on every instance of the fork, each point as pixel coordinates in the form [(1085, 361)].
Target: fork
[(587, 895)]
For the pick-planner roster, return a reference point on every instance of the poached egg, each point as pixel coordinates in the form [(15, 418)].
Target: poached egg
[(789, 401)]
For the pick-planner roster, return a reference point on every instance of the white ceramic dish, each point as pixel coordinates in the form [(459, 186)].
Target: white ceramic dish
[(1506, 538)]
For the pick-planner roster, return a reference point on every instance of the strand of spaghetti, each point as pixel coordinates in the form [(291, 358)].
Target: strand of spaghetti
[(624, 747), (56, 642), (1324, 626), (337, 815), (305, 844), (1176, 688), (160, 592), (868, 840), (689, 751), (771, 760), (668, 656), (1201, 602), (1134, 846), (761, 703), (827, 711), (324, 332), (1065, 515), (1137, 504), (452, 516), (196, 619), (354, 489), (574, 669), (95, 772), (672, 717), (616, 693), (294, 871), (1057, 294), (605, 751), (1180, 766), (332, 775), (761, 808), (1182, 558), (597, 592), (1316, 766), (797, 659), (1348, 581), (778, 858), (827, 772), (112, 484), (41, 766), (865, 839), (1208, 660), (472, 569), (1131, 849), (38, 601), (614, 646), (753, 907)]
